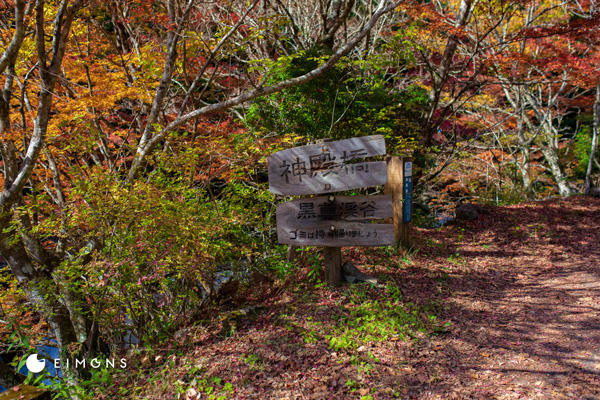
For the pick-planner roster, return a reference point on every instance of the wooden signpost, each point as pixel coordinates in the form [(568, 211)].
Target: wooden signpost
[(336, 221)]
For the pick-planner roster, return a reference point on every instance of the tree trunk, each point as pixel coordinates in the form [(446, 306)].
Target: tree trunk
[(588, 173), (525, 147), (28, 261), (441, 75), (8, 376), (551, 156), (523, 167), (42, 293)]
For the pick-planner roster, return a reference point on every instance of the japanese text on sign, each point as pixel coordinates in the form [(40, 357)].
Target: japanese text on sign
[(335, 211), (323, 168)]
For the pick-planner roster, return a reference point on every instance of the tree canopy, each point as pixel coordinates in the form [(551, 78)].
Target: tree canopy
[(133, 134)]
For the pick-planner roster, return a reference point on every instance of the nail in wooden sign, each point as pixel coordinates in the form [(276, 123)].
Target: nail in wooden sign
[(326, 167)]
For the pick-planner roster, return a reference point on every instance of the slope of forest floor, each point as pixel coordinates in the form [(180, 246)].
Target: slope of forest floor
[(505, 307)]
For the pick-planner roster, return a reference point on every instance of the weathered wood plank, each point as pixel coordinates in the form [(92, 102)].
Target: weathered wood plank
[(342, 177), (305, 212), (339, 151), (336, 234), (324, 168)]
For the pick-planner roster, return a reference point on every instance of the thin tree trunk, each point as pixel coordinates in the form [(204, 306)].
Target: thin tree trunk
[(525, 147), (523, 167), (39, 289), (440, 76), (28, 262), (588, 173), (551, 155)]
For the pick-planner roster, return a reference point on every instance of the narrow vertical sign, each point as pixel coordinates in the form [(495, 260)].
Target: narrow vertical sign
[(407, 192)]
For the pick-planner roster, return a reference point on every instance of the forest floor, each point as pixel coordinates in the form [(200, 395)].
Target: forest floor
[(504, 307)]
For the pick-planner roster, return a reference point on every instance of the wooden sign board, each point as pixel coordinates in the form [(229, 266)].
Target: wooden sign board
[(336, 234), (325, 167), (305, 212)]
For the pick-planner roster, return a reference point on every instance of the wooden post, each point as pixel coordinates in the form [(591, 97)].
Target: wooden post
[(394, 187), (333, 265), (292, 253), (332, 256)]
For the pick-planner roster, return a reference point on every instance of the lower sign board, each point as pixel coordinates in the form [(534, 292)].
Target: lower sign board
[(336, 234), (303, 212)]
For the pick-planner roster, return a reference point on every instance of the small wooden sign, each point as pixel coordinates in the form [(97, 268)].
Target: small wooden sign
[(336, 234), (407, 193), (326, 167), (305, 212)]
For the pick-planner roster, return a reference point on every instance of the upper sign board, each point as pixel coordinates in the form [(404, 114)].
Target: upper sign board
[(326, 167)]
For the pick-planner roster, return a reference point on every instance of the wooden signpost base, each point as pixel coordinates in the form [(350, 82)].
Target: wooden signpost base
[(292, 253), (333, 265), (332, 257)]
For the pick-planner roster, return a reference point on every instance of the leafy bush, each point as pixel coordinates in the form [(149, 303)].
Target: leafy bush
[(583, 143), (158, 246), (352, 99)]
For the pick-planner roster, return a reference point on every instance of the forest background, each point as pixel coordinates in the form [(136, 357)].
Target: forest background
[(134, 136)]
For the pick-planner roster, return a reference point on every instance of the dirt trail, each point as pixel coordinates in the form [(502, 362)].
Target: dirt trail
[(520, 285), (528, 324)]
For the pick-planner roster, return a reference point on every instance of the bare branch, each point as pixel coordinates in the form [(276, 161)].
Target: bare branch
[(62, 27), (146, 147), (10, 54)]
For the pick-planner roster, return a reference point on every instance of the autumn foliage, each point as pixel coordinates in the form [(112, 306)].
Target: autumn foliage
[(133, 135)]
